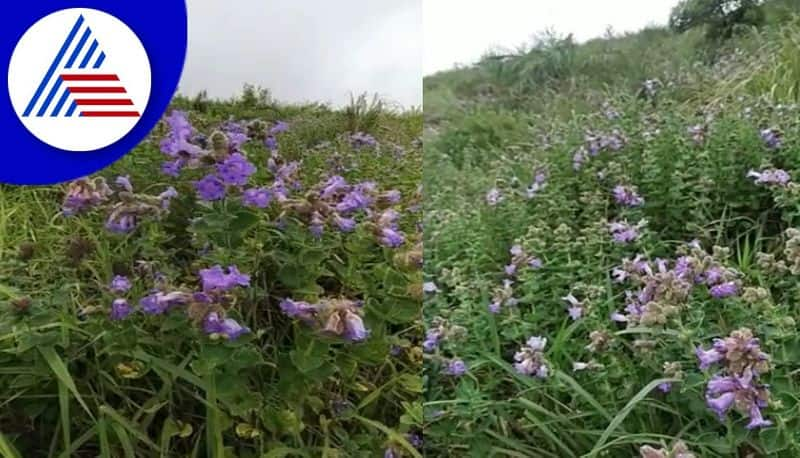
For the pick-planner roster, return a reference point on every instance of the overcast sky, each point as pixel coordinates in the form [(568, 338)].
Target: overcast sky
[(306, 50), (460, 31)]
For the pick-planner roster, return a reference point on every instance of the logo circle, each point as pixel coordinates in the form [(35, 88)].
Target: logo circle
[(79, 79)]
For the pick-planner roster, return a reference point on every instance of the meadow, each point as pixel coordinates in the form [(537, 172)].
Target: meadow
[(612, 247), (246, 283)]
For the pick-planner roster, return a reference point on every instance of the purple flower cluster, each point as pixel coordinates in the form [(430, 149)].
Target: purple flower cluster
[(610, 112), (178, 144), (360, 140), (623, 232), (338, 317), (202, 306), (503, 296), (216, 280), (520, 259), (387, 229), (664, 286), (456, 367), (229, 328), (84, 194), (539, 183), (770, 177), (125, 212), (530, 358), (627, 196), (773, 138), (337, 203), (271, 140), (228, 168), (736, 386), (433, 336), (594, 144)]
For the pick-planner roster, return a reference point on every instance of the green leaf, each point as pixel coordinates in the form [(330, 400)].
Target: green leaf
[(7, 449), (62, 373)]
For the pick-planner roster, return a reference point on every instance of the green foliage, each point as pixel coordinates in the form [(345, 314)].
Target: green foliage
[(541, 105), (74, 383)]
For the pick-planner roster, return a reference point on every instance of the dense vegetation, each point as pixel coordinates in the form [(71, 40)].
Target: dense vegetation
[(611, 247), (245, 283)]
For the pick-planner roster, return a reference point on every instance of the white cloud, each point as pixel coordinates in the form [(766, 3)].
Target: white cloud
[(306, 50), (460, 31)]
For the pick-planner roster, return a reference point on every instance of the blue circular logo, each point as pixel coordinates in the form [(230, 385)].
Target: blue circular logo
[(86, 83)]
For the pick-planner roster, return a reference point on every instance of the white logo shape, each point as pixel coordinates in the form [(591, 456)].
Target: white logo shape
[(79, 79)]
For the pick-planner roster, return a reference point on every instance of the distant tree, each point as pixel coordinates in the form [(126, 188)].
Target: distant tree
[(720, 17)]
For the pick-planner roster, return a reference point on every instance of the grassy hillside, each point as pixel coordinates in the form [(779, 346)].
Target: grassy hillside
[(245, 283), (630, 200)]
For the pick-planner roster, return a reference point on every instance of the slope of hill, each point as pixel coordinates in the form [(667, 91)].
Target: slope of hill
[(611, 246)]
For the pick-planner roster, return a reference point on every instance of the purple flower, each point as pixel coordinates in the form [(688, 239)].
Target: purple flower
[(177, 143), (772, 138), (776, 177), (257, 197), (456, 368), (333, 186), (353, 201), (362, 140), (344, 224), (431, 341), (158, 302), (166, 196), (83, 194), (271, 143), (708, 357), (279, 128), (494, 307), (124, 182), (414, 439), (575, 312), (626, 195), (718, 385), (354, 327), (665, 387), (623, 232), (298, 309), (227, 327), (535, 263), (392, 196), (172, 168), (721, 404), (575, 308), (120, 309), (121, 222), (236, 140), (235, 170), (391, 238), (215, 279), (530, 358), (726, 289), (317, 225), (510, 269), (120, 284), (756, 420), (210, 188)]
